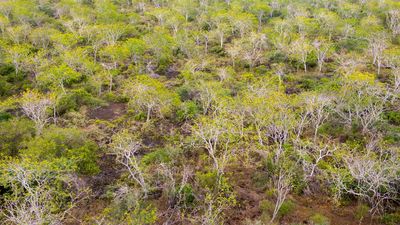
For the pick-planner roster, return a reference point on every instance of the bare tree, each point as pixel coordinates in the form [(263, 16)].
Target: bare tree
[(214, 205), (375, 178), (396, 80), (282, 186), (393, 21), (318, 106), (300, 49), (279, 131), (35, 106), (125, 147), (35, 198), (253, 50), (377, 44), (322, 49), (175, 191), (216, 135), (362, 102), (348, 63), (312, 154)]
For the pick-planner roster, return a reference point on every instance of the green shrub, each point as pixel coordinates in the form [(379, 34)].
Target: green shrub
[(187, 196), (187, 111), (392, 135), (318, 219), (287, 207), (207, 179), (393, 117), (129, 209), (10, 82), (4, 116), (13, 134), (65, 148), (391, 218), (156, 157), (266, 206), (361, 211), (74, 100)]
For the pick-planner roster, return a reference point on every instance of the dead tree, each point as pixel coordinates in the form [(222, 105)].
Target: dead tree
[(35, 106), (126, 148)]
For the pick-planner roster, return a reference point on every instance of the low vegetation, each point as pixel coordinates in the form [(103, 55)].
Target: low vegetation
[(199, 112)]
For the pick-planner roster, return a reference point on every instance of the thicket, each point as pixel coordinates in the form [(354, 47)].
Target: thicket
[(157, 107)]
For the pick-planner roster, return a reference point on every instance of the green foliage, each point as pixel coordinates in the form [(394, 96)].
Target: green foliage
[(391, 218), (186, 196), (64, 148), (11, 82), (59, 77), (5, 116), (208, 180), (304, 91), (150, 96), (156, 157), (74, 99), (318, 219), (393, 117), (188, 111), (128, 208), (13, 134), (141, 215), (287, 207), (361, 211)]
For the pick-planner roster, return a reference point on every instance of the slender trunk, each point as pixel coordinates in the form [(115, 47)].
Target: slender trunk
[(55, 113), (148, 113), (320, 67), (111, 83), (62, 87)]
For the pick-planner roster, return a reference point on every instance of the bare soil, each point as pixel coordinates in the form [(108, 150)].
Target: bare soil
[(249, 197), (109, 112)]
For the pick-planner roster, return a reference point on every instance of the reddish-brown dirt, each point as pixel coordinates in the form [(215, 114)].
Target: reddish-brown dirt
[(249, 198), (95, 204), (109, 112), (307, 206)]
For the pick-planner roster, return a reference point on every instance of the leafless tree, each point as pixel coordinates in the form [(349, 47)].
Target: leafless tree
[(35, 106), (361, 102), (377, 44), (348, 63), (36, 198), (175, 189), (393, 21), (279, 132), (375, 178), (312, 154), (322, 49), (282, 186), (216, 136), (318, 106), (396, 80), (125, 147), (300, 49)]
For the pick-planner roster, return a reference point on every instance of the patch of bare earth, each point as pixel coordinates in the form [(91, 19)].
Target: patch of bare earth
[(307, 206), (249, 197), (94, 205), (109, 112)]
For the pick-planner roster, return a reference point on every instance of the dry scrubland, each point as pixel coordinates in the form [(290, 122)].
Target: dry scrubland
[(208, 112)]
